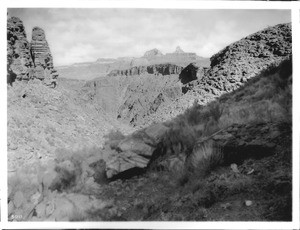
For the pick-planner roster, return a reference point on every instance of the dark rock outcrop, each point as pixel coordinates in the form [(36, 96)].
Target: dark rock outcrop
[(189, 73), (19, 61), (26, 60), (163, 69)]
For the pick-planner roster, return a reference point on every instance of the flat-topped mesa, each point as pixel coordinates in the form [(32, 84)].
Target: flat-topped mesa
[(42, 58), (19, 61)]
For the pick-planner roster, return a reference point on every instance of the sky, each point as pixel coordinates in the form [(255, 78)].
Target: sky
[(83, 35)]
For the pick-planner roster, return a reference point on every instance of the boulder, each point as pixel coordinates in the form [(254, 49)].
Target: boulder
[(135, 145), (156, 132), (124, 161), (189, 73), (135, 151)]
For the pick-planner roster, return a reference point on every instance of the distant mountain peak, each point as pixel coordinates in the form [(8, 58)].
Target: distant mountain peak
[(178, 50), (153, 53)]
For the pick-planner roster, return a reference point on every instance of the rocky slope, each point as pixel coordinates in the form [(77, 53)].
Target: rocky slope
[(229, 160), (130, 99), (232, 67), (42, 119), (28, 60)]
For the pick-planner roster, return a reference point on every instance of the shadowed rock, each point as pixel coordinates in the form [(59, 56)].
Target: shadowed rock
[(189, 73), (135, 152)]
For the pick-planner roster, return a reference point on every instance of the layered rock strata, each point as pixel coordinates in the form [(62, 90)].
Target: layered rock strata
[(163, 69), (41, 55)]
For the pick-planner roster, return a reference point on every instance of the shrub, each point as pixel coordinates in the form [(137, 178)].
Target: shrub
[(113, 138), (69, 167), (206, 155), (215, 110), (180, 135)]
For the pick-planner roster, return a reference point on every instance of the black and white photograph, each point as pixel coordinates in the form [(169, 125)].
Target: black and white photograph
[(132, 114)]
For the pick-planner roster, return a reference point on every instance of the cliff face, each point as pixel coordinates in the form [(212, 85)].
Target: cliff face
[(19, 61), (163, 69), (28, 60)]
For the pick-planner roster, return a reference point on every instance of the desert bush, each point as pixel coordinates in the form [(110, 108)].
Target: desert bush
[(181, 134), (69, 167), (215, 110), (113, 138), (206, 155)]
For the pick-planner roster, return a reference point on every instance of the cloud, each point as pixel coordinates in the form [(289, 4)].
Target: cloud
[(79, 35)]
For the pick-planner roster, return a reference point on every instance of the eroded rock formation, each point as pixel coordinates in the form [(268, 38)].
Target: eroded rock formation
[(19, 61), (28, 60), (41, 55)]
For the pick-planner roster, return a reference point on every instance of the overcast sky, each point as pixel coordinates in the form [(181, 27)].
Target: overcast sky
[(82, 35)]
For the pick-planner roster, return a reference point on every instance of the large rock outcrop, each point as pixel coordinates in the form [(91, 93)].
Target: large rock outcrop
[(26, 60), (19, 61), (244, 59), (41, 55)]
